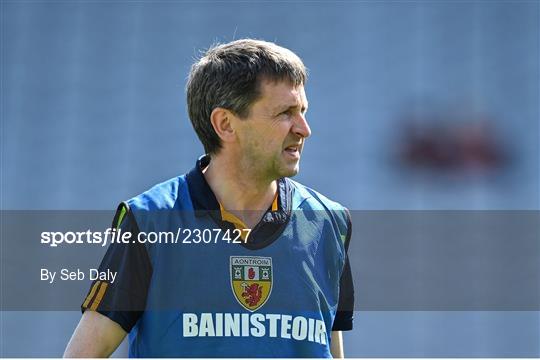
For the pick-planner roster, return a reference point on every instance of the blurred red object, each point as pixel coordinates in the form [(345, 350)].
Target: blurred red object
[(456, 146)]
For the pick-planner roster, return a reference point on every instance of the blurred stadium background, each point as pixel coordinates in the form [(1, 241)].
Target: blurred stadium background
[(413, 105)]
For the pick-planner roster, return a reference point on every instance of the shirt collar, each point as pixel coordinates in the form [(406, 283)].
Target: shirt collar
[(201, 194), (205, 201)]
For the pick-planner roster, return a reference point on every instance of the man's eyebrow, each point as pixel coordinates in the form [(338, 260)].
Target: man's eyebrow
[(281, 108)]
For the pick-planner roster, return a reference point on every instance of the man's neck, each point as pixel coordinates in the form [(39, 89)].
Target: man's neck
[(239, 191)]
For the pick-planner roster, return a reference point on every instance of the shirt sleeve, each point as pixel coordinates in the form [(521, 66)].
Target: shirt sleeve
[(345, 312), (123, 299)]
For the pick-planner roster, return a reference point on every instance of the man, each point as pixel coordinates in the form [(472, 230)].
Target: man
[(261, 270)]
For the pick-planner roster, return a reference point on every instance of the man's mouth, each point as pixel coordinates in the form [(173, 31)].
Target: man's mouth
[(293, 150)]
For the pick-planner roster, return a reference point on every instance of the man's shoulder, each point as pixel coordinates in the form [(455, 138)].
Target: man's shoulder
[(312, 200), (305, 193), (162, 196)]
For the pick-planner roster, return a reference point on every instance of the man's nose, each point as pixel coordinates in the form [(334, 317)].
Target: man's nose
[(301, 127)]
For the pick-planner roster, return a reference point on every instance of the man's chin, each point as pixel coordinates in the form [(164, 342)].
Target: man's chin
[(290, 172)]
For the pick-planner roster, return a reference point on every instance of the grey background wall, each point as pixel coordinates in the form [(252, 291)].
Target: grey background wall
[(93, 112)]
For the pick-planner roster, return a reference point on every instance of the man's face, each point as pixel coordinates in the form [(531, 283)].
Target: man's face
[(271, 138)]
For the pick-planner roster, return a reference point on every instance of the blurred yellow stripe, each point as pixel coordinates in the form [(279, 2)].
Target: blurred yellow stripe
[(99, 296), (91, 294)]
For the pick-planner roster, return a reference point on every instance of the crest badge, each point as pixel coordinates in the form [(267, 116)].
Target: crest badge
[(251, 280)]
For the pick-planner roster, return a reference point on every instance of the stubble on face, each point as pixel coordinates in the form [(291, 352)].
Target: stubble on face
[(269, 148)]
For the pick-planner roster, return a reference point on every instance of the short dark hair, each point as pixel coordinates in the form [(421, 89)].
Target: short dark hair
[(229, 76)]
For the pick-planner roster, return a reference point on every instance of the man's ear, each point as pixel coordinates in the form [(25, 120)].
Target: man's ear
[(221, 122)]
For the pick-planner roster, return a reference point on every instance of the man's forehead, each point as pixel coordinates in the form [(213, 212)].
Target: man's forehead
[(283, 93)]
